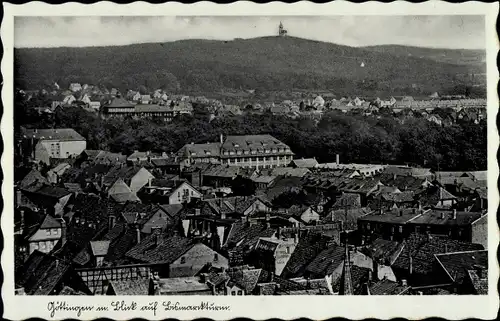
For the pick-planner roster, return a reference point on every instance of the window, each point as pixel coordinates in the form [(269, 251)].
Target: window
[(368, 226), (35, 246), (55, 231), (179, 194), (183, 260), (240, 292), (48, 232), (42, 245), (216, 257), (233, 292), (401, 229), (287, 250)]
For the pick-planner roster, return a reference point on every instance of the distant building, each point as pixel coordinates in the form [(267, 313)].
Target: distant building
[(281, 30), (43, 144), (258, 151)]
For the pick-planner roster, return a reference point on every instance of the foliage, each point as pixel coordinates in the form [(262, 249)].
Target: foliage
[(356, 138)]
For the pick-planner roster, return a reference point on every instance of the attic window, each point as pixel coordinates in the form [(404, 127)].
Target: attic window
[(183, 260), (216, 257), (236, 145), (193, 154), (208, 152)]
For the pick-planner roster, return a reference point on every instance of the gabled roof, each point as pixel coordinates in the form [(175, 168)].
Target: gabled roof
[(31, 178), (42, 273), (246, 279), (119, 102), (383, 250), (245, 235), (306, 251), (289, 171), (422, 249), (480, 283), (119, 187), (168, 249), (457, 264), (50, 222), (327, 261), (123, 172)]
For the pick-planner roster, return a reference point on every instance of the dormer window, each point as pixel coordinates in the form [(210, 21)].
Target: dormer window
[(246, 152), (208, 152), (236, 145), (238, 152)]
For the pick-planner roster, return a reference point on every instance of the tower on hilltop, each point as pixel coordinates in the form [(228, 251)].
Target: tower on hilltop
[(282, 31)]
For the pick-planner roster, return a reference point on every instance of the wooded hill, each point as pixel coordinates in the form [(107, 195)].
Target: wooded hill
[(267, 63)]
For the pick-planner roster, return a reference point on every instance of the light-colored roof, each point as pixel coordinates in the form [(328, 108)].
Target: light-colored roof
[(185, 284), (61, 134), (305, 162)]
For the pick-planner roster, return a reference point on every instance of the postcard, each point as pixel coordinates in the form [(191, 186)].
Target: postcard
[(250, 160)]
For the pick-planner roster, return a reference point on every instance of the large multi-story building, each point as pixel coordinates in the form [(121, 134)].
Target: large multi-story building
[(256, 151), (250, 151)]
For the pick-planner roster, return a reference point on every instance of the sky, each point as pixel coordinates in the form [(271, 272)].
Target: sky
[(460, 32)]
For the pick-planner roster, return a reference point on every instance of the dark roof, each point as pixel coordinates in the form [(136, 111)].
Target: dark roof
[(327, 261), (33, 177), (253, 142), (350, 222), (457, 264), (245, 278), (433, 195), (53, 192), (441, 217), (123, 172), (408, 183), (61, 134), (246, 235), (41, 273), (422, 249), (168, 249), (403, 197), (120, 102), (383, 250), (347, 200), (306, 250), (387, 287), (200, 150)]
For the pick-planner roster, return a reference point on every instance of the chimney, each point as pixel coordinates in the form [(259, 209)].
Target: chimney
[(337, 159), (221, 138), (18, 197), (271, 279), (454, 214), (149, 182), (442, 215), (296, 238), (420, 206), (278, 233), (197, 211), (410, 268), (401, 212), (157, 239), (394, 177), (138, 233), (111, 221), (445, 248)]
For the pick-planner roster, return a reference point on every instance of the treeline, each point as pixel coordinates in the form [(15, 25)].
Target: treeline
[(356, 139)]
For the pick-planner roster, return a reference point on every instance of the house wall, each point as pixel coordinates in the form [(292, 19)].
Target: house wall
[(234, 290), (282, 254), (195, 259), (140, 180), (183, 194), (309, 215), (159, 219), (61, 204), (64, 149), (258, 161), (257, 206), (480, 231), (43, 241), (362, 260), (41, 154)]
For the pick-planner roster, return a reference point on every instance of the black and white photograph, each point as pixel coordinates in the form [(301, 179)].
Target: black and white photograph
[(250, 155)]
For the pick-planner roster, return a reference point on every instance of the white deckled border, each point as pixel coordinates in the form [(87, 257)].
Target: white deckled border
[(285, 307)]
